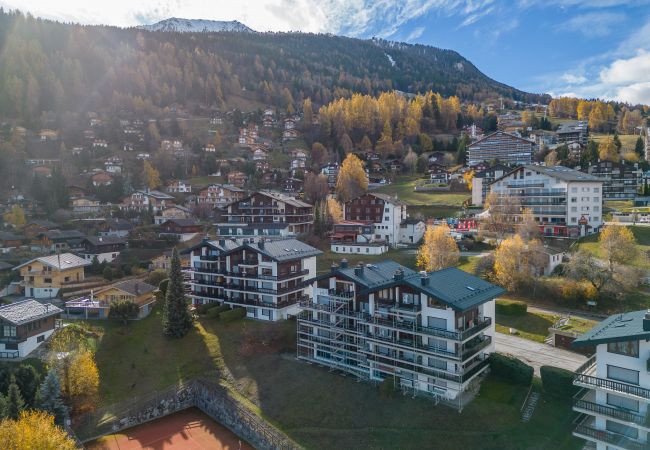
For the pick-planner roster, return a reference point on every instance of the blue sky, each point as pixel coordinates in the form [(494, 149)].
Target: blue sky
[(587, 48)]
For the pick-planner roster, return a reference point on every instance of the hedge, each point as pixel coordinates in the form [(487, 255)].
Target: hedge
[(558, 382), (511, 369), (512, 308), (213, 313), (233, 314)]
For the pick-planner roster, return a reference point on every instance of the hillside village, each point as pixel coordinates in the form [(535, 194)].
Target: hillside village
[(405, 255)]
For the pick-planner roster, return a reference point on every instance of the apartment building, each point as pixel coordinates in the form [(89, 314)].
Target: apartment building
[(565, 202), (620, 181), (268, 278), (428, 333), (386, 213), (577, 131), (504, 147), (141, 201), (268, 214), (45, 276), (218, 196), (613, 403), (481, 182)]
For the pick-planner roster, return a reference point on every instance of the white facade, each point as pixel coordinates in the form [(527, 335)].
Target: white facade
[(389, 228), (565, 202), (616, 397), (411, 231), (101, 257), (359, 248), (44, 292)]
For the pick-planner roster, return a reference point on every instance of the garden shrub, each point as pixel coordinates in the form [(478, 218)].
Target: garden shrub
[(557, 382), (511, 369), (233, 314)]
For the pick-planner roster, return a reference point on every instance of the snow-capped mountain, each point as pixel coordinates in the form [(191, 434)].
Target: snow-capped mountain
[(196, 26)]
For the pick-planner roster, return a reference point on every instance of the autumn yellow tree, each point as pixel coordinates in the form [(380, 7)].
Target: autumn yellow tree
[(15, 217), (34, 430), (151, 175), (439, 249), (385, 143), (79, 380), (334, 210), (617, 245), (468, 178), (352, 180), (607, 151), (517, 262), (527, 227)]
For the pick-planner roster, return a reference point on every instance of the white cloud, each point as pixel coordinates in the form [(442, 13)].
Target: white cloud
[(593, 24), (416, 33), (623, 71), (570, 78)]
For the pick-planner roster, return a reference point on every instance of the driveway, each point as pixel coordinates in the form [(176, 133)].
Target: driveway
[(536, 354)]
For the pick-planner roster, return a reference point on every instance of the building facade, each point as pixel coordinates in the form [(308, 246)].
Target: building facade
[(565, 202), (386, 213), (268, 278), (615, 396), (25, 325), (620, 181), (504, 147), (431, 333), (481, 182), (266, 214), (577, 131), (44, 277)]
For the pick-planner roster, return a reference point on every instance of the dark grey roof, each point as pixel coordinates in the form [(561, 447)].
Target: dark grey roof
[(572, 127), (119, 224), (616, 328), (456, 288), (54, 235), (387, 198), (27, 311), (286, 199), (104, 240), (133, 287), (5, 266), (9, 236), (182, 222), (278, 249), (42, 223), (559, 172)]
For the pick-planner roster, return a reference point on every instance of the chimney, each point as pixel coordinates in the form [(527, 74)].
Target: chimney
[(222, 242), (344, 263), (358, 271), (260, 243), (137, 288), (424, 278), (646, 321), (206, 238), (398, 275)]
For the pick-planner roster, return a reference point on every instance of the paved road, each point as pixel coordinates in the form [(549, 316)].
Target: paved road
[(536, 354)]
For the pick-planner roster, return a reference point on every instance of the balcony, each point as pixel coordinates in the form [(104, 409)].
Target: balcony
[(586, 430), (584, 377), (254, 302), (246, 275), (439, 332), (279, 291), (586, 403)]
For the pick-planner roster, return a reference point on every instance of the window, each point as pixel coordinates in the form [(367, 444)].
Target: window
[(574, 209), (596, 208), (596, 190), (574, 189), (621, 374), (574, 219), (9, 331), (574, 199), (436, 322), (386, 218), (438, 363), (622, 402), (40, 338), (47, 280), (622, 429), (628, 348), (596, 199)]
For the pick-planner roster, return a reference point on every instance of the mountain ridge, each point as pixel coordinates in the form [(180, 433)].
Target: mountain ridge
[(181, 25)]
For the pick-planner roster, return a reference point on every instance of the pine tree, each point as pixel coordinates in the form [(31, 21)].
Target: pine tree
[(49, 398), (639, 147), (15, 402), (176, 315), (27, 380)]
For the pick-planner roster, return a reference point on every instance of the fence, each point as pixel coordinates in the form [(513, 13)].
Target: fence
[(208, 396)]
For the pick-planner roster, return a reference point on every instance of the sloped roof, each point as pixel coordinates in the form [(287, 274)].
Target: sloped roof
[(387, 198), (499, 132), (104, 240), (27, 311), (62, 262), (131, 287), (559, 172), (278, 249), (616, 328), (62, 234), (456, 288)]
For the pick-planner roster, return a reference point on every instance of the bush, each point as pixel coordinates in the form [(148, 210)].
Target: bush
[(156, 277), (233, 314), (388, 388), (511, 308), (511, 369), (557, 382), (108, 273), (163, 286), (214, 313)]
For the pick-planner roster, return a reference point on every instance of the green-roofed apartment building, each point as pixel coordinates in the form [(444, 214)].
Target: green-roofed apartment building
[(616, 384), (429, 333)]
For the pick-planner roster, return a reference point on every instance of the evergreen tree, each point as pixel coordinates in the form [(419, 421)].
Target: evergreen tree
[(27, 380), (49, 398), (617, 142), (639, 147), (176, 315), (15, 402), (95, 266)]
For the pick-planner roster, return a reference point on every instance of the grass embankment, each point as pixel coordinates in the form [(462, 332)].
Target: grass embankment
[(628, 141), (317, 408), (425, 204), (406, 257), (642, 236), (534, 325)]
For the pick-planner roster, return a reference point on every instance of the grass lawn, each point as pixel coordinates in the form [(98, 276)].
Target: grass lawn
[(406, 257), (468, 263), (532, 325), (642, 235), (403, 188), (628, 141), (317, 408)]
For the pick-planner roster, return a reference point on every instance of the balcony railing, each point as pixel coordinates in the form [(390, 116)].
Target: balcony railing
[(584, 378), (279, 291), (586, 430), (609, 411), (253, 302), (439, 332), (258, 276)]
